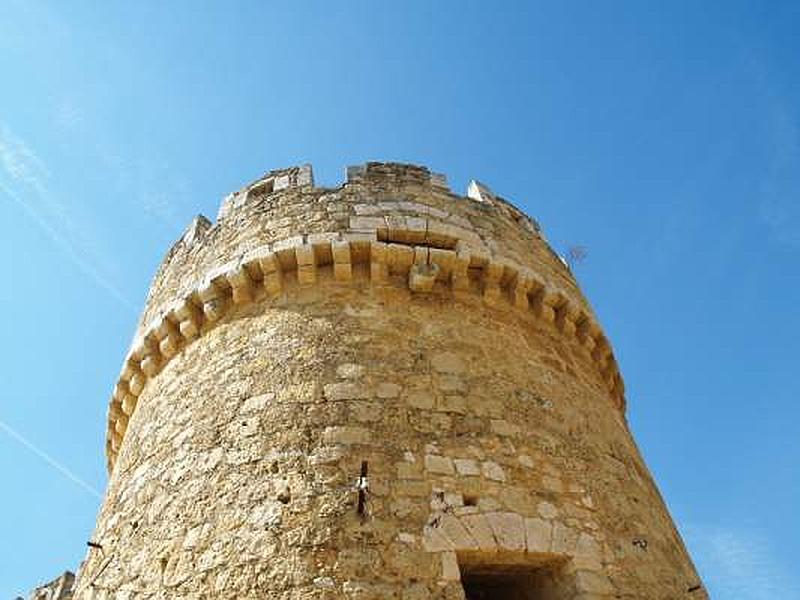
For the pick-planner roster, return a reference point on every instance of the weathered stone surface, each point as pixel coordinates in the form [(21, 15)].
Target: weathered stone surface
[(438, 464), (508, 529), (450, 571), (386, 324), (491, 470), (60, 588), (538, 535), (467, 466), (547, 510)]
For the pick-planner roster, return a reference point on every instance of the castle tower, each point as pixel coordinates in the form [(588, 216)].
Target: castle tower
[(380, 390)]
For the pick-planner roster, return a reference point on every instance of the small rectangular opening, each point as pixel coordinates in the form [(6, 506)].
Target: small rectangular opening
[(514, 580)]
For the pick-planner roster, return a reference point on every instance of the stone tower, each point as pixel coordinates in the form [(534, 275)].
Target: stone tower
[(379, 390)]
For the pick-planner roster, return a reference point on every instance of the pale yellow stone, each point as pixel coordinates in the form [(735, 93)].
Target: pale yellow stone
[(350, 371), (467, 467), (408, 471), (439, 464), (450, 571), (433, 540), (491, 470), (453, 404), (346, 391), (387, 390), (503, 427), (547, 510), (508, 529), (455, 531), (448, 362), (420, 399), (597, 583), (564, 539), (538, 535), (480, 530), (346, 435)]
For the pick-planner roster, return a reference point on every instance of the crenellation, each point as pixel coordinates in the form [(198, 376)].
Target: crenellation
[(479, 192), (196, 230), (440, 227), (272, 182)]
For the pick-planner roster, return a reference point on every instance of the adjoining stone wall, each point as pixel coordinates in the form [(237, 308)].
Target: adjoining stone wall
[(364, 392), (60, 588)]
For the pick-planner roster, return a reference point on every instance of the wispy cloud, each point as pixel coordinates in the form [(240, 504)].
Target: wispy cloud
[(779, 207), (66, 472), (24, 179), (741, 564)]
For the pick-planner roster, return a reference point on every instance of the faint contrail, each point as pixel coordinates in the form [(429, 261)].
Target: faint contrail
[(28, 176), (50, 460), (82, 264)]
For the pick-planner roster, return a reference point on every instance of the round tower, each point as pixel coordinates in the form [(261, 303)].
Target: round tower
[(380, 390)]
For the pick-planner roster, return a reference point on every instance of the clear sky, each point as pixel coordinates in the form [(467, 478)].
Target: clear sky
[(662, 136)]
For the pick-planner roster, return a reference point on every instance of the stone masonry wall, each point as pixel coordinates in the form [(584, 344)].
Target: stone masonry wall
[(389, 326), (60, 588)]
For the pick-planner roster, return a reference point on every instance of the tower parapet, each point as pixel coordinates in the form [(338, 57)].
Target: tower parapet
[(389, 326)]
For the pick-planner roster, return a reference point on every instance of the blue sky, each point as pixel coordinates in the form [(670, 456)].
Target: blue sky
[(663, 137)]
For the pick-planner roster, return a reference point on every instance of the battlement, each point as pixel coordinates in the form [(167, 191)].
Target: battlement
[(397, 174), (273, 181), (388, 175)]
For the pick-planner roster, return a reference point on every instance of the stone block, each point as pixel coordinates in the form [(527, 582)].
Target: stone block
[(422, 277), (450, 570), (467, 467), (547, 510), (399, 257), (387, 390), (128, 404), (342, 267), (150, 365), (504, 428), (257, 403), (350, 371), (538, 535), (453, 404), (592, 582), (448, 362), (241, 284), (491, 470), (355, 172), (439, 464), (367, 223), (508, 529), (587, 547), (136, 384), (564, 539), (346, 435), (433, 540), (346, 390), (422, 399), (407, 470), (478, 527)]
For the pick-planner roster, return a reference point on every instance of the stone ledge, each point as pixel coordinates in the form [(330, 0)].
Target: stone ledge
[(461, 269)]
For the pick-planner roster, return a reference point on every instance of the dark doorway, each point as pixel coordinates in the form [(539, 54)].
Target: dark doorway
[(495, 587), (515, 582)]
